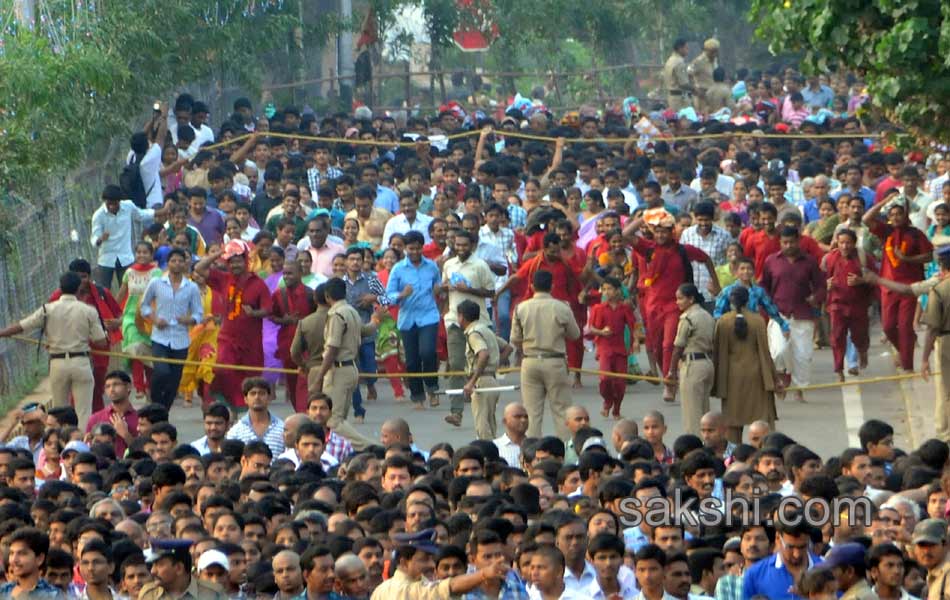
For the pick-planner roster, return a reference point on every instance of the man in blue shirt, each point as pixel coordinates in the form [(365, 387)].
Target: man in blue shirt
[(28, 549), (853, 185), (413, 284), (178, 307), (774, 576)]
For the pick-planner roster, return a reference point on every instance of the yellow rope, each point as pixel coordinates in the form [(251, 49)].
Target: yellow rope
[(548, 139), (219, 366)]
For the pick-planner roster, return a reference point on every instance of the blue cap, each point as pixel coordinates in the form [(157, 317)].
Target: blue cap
[(162, 548), (846, 555), (424, 540)]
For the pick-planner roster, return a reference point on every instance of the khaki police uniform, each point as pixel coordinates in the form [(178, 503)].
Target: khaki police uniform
[(541, 325), (68, 325), (477, 275), (344, 331), (701, 70), (197, 590), (937, 318), (479, 337), (937, 582), (860, 591), (309, 339), (401, 587), (695, 334), (676, 82)]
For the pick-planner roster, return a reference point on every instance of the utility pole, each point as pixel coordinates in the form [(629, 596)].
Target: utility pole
[(344, 57), (25, 12)]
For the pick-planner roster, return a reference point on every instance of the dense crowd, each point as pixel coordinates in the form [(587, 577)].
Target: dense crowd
[(405, 248)]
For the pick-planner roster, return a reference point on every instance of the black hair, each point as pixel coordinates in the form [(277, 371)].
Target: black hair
[(739, 298)]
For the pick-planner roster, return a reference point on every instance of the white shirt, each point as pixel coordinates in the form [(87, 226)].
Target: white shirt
[(509, 451), (327, 461), (148, 169), (626, 592), (400, 224), (724, 185), (119, 226), (581, 584), (936, 185), (201, 445)]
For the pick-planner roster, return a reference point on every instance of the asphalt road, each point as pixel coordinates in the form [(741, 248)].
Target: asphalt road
[(828, 422)]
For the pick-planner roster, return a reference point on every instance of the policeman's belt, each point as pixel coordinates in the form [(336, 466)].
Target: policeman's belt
[(678, 93), (68, 355), (545, 355), (695, 356), (344, 363)]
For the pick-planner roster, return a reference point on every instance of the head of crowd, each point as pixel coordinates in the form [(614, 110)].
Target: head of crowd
[(112, 509), (554, 519)]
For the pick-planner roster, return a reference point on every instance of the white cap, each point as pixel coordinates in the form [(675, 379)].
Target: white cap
[(213, 557)]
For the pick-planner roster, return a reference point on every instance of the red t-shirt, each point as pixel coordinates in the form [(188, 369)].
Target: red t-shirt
[(597, 246), (759, 246), (238, 327), (131, 418), (604, 315), (810, 246), (536, 241), (290, 301), (844, 298), (432, 251), (664, 270), (911, 241), (566, 284)]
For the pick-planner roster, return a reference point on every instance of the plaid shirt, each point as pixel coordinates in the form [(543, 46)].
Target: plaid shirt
[(337, 446), (315, 178), (43, 591), (517, 216), (714, 245), (504, 239), (729, 587), (512, 588)]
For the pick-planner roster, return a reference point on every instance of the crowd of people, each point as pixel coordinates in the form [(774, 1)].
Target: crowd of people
[(404, 248)]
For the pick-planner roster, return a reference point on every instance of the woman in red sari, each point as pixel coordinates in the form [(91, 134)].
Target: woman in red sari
[(248, 302)]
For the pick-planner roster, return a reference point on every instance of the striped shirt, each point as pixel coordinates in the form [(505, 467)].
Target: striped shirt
[(170, 304), (273, 437), (509, 451), (315, 178)]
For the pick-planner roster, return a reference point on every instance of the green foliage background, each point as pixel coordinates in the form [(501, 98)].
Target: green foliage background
[(902, 46)]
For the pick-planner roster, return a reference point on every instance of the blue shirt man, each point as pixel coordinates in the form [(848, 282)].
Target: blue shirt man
[(771, 576)]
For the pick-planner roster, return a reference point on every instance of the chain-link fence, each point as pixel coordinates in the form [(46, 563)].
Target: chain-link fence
[(39, 235)]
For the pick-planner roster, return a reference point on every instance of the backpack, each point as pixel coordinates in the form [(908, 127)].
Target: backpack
[(130, 180)]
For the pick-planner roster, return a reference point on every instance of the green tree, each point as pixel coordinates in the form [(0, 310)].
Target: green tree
[(903, 49), (83, 74)]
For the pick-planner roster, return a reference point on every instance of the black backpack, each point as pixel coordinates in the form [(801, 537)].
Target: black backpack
[(130, 180)]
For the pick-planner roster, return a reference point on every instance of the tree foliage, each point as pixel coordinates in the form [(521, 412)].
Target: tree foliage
[(902, 47), (79, 78)]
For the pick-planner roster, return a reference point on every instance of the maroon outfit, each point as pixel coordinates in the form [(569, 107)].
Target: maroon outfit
[(297, 301), (131, 418), (611, 350), (847, 306), (239, 342)]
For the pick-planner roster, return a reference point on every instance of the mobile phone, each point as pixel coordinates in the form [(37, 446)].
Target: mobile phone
[(157, 107)]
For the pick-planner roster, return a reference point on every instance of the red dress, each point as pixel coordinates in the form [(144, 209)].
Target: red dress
[(611, 350), (847, 306), (240, 341), (662, 273)]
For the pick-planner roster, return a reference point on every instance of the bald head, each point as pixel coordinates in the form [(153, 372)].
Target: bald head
[(712, 428), (395, 431), (292, 425), (132, 529), (515, 421), (624, 430), (757, 431), (576, 418), (285, 557), (348, 565)]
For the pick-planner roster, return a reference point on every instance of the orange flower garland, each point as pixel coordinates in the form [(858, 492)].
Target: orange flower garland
[(234, 296)]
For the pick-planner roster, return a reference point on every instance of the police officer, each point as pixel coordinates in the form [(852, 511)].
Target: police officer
[(676, 77), (343, 333), (482, 355), (67, 325), (693, 347), (701, 71), (171, 567), (937, 319), (306, 349), (415, 570), (539, 328)]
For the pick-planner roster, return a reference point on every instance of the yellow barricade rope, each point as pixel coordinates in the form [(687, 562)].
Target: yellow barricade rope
[(627, 376), (550, 140)]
